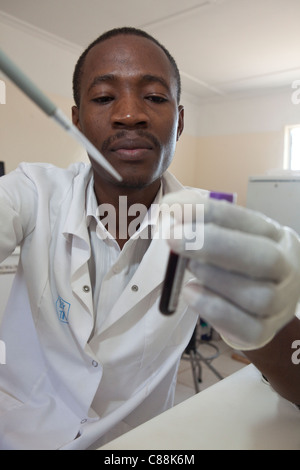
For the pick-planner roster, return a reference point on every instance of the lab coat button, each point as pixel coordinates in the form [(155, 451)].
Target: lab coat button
[(95, 364), (134, 288), (83, 421), (117, 269), (86, 289)]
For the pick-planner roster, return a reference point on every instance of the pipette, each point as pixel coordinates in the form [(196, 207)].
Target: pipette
[(46, 105)]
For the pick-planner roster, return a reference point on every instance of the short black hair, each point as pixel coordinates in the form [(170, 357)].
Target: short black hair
[(112, 33)]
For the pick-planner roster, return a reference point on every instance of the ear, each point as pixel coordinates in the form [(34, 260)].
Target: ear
[(180, 121), (75, 117)]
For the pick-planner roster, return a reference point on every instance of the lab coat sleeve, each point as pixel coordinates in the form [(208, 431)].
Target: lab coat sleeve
[(17, 210)]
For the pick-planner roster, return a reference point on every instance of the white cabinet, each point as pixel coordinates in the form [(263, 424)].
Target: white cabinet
[(277, 197)]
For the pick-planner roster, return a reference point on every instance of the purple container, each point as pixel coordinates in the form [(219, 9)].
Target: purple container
[(230, 197)]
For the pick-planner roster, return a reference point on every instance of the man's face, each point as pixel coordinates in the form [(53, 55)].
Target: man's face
[(128, 108)]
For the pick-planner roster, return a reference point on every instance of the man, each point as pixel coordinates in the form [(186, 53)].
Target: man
[(89, 355)]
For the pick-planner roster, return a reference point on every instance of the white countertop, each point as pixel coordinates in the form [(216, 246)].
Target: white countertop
[(240, 412)]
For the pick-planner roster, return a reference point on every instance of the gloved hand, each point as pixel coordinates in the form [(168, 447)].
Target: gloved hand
[(248, 271)]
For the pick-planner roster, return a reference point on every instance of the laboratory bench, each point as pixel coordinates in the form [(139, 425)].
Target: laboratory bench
[(241, 412)]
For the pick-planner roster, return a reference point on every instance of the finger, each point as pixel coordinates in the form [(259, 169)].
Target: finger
[(251, 255), (225, 317), (257, 298), (225, 214)]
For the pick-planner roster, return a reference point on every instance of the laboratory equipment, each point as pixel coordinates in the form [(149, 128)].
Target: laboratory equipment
[(277, 196), (46, 105), (176, 269)]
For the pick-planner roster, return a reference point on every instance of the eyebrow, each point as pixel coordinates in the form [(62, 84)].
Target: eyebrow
[(110, 77), (156, 79), (100, 79)]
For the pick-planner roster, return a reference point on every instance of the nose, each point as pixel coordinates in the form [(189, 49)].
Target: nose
[(130, 112)]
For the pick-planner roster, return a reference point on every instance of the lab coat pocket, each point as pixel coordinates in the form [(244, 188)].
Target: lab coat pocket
[(8, 403)]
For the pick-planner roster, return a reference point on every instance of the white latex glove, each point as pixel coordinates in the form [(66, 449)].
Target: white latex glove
[(248, 271)]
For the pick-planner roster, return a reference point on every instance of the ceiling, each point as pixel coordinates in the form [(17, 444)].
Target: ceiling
[(224, 48)]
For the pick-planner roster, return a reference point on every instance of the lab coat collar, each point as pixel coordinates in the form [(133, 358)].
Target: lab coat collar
[(76, 220), (154, 261), (75, 231), (150, 273), (171, 184)]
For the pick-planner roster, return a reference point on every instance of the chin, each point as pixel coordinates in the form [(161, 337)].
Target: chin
[(138, 179), (133, 183)]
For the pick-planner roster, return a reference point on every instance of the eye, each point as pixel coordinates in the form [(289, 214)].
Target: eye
[(102, 99), (156, 99)]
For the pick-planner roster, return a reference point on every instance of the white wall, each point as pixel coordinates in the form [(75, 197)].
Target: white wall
[(253, 114), (242, 138), (223, 143), (26, 133), (49, 61)]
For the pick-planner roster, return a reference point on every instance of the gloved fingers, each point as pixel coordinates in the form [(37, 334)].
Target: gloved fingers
[(251, 255), (258, 298), (224, 214), (246, 263), (223, 316)]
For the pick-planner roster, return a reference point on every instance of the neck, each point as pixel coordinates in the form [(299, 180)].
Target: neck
[(121, 199)]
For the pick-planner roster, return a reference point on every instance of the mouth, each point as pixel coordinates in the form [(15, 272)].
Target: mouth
[(131, 149)]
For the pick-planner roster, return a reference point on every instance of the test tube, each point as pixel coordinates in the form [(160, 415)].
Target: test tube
[(176, 269)]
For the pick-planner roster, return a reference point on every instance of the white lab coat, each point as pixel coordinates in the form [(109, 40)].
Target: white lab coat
[(51, 375)]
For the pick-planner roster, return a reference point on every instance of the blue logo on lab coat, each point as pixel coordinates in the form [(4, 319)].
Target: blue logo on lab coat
[(63, 309)]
